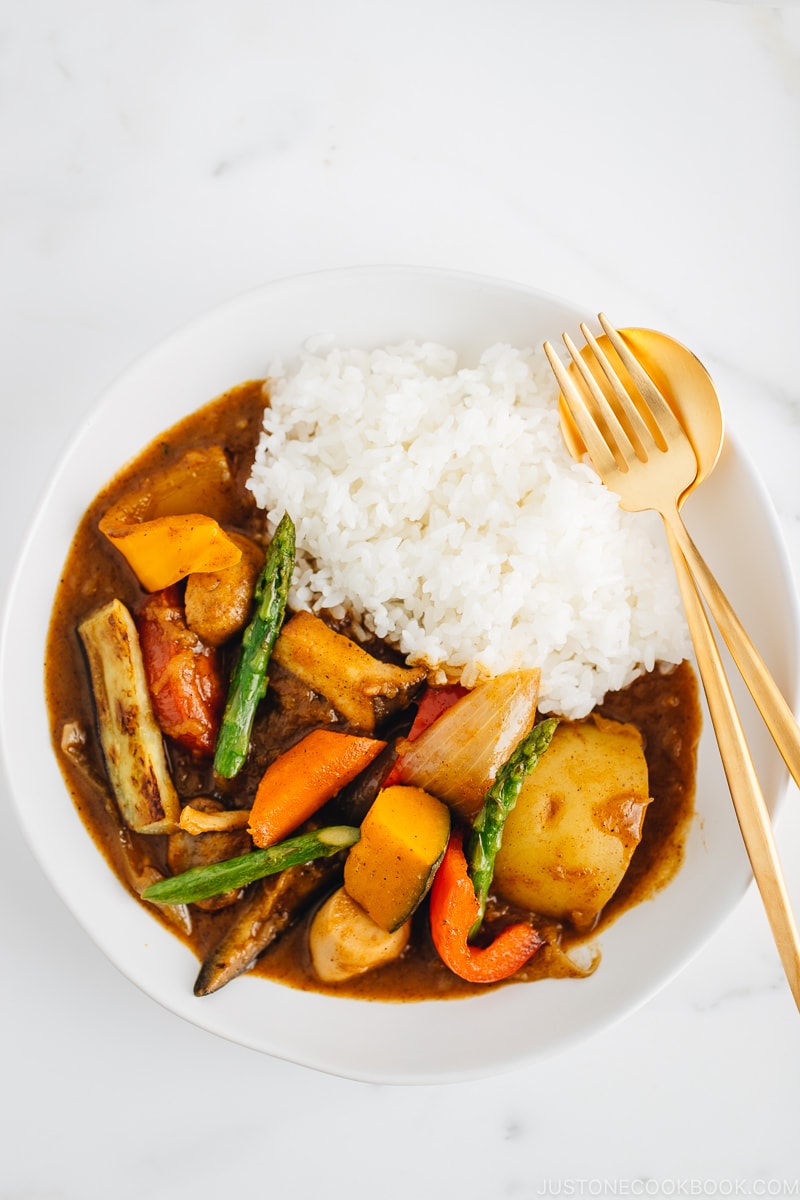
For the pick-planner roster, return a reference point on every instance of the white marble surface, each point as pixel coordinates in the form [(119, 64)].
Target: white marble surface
[(159, 157)]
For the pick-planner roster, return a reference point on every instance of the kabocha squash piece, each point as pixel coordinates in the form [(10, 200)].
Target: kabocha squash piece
[(343, 672), (577, 821), (344, 941), (403, 839), (129, 735)]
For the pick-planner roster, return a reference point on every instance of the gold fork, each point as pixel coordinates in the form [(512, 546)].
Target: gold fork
[(657, 462), (643, 454)]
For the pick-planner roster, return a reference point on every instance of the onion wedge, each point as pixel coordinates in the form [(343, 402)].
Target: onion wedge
[(459, 755)]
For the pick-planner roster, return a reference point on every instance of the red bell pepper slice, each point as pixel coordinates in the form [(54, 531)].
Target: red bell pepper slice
[(453, 912)]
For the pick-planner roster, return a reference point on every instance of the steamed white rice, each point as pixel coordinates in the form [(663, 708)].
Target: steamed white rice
[(436, 502)]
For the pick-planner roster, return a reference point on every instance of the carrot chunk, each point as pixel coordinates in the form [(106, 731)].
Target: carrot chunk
[(303, 778)]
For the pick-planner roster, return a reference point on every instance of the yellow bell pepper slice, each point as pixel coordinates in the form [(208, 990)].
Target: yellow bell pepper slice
[(166, 549)]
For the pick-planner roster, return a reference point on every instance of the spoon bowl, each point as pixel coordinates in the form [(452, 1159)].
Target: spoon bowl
[(682, 380)]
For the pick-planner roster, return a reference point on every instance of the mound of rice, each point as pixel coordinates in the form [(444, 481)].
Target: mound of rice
[(438, 504)]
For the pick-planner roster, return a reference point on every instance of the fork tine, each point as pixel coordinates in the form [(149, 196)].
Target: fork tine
[(598, 449), (642, 434), (665, 419), (614, 427)]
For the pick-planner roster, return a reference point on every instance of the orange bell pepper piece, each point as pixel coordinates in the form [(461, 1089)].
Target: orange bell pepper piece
[(166, 525), (166, 549), (453, 912)]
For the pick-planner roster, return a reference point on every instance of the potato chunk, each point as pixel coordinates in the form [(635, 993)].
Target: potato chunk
[(578, 820), (344, 941)]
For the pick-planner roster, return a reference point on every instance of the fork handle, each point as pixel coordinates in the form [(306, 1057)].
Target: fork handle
[(777, 714), (748, 800)]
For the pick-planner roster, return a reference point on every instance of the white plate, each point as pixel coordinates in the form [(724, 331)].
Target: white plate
[(411, 1043)]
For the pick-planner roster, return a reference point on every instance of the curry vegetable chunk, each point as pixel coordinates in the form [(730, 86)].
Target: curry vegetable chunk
[(218, 602), (344, 941), (131, 740), (168, 524), (344, 672), (403, 839), (577, 821)]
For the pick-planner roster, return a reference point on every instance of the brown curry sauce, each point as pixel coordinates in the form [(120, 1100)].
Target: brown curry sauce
[(663, 705)]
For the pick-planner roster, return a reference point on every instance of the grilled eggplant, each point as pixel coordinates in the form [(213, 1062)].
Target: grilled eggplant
[(131, 740), (274, 905)]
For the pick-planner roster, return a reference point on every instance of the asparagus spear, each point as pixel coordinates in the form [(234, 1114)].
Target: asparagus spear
[(487, 828), (249, 680), (198, 883)]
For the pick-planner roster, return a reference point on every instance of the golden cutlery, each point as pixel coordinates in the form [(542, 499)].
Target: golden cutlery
[(642, 453), (698, 418)]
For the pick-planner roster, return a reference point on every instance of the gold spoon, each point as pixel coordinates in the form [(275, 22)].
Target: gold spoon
[(688, 389), (682, 380)]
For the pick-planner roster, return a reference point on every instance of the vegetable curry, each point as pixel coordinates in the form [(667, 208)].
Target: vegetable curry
[(295, 800)]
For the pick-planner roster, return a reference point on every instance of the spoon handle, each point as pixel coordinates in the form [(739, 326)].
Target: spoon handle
[(777, 714), (748, 799)]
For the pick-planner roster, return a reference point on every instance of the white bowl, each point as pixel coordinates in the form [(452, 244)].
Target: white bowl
[(389, 1043)]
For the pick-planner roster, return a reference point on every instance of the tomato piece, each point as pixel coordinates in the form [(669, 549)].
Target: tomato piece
[(182, 673)]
